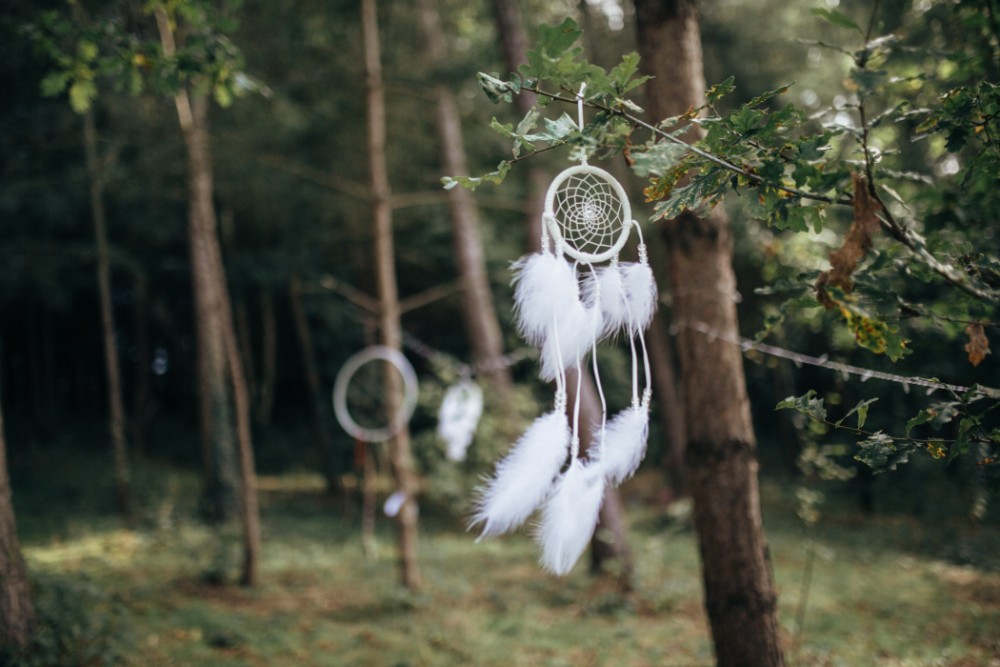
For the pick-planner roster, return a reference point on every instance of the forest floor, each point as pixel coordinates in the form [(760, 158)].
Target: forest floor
[(886, 591)]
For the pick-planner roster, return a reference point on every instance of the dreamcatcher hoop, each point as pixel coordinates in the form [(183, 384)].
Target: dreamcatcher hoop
[(349, 370), (587, 214)]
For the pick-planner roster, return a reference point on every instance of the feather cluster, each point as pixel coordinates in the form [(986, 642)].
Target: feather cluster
[(523, 479), (550, 313), (570, 516), (640, 289), (458, 417), (545, 288), (624, 444)]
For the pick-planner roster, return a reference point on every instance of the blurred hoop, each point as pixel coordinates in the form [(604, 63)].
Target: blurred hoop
[(360, 394)]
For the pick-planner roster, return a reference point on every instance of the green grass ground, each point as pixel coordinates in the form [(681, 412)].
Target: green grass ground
[(884, 591)]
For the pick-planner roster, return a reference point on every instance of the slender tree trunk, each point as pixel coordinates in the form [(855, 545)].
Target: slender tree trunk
[(613, 553), (661, 359), (481, 323), (391, 331), (140, 398), (317, 404), (17, 615), (513, 44), (116, 410), (721, 453), (246, 344), (219, 497), (249, 506), (269, 358)]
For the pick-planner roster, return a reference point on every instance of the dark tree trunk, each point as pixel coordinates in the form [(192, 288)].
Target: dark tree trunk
[(116, 409), (481, 323), (391, 330), (269, 359), (317, 404), (17, 616), (721, 451), (140, 397)]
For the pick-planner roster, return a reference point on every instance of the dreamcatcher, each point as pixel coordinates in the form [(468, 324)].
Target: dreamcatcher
[(568, 297)]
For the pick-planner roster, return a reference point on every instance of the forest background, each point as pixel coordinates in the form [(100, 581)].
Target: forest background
[(295, 221)]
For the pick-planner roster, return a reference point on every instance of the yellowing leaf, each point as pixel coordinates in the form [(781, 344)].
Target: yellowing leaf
[(978, 346)]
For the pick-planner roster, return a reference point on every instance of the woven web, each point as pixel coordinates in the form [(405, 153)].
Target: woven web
[(590, 213)]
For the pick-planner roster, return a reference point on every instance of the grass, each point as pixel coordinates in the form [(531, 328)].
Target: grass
[(882, 591)]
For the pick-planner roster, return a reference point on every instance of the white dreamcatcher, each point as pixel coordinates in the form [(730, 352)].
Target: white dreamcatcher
[(565, 304)]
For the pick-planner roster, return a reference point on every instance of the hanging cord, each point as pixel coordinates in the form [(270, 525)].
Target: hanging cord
[(593, 354), (575, 442), (647, 392), (579, 119), (560, 372)]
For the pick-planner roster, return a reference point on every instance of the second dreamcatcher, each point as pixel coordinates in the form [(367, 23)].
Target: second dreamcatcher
[(569, 296)]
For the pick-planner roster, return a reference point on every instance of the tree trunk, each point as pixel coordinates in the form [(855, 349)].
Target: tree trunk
[(512, 43), (249, 506), (242, 323), (614, 553), (140, 397), (609, 550), (721, 451), (661, 359), (116, 410), (391, 330), (269, 358), (317, 404), (17, 616), (219, 495), (481, 323)]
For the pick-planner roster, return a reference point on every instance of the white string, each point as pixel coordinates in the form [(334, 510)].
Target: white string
[(579, 118), (597, 375)]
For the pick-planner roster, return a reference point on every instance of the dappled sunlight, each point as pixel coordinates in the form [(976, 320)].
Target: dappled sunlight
[(112, 549)]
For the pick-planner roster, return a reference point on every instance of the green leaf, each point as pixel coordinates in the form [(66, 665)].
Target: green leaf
[(472, 182), (720, 90), (807, 404), (921, 417), (836, 18), (495, 88), (553, 41), (655, 160), (861, 409), (54, 83), (881, 453), (81, 94)]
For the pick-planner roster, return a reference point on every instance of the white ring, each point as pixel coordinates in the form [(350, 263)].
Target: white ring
[(410, 390), (553, 224)]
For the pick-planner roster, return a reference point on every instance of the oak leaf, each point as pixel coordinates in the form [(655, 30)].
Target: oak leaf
[(844, 260), (978, 346)]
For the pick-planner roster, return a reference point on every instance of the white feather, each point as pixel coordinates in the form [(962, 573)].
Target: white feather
[(578, 328), (614, 307), (545, 287), (570, 516), (640, 288), (624, 444), (458, 417), (524, 478)]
